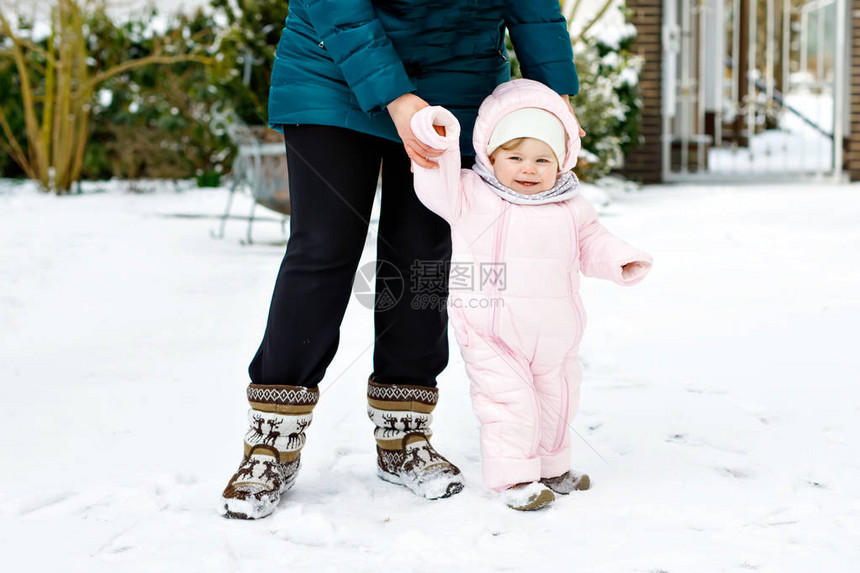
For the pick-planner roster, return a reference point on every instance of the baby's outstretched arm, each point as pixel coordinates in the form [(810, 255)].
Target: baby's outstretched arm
[(439, 189), (604, 255)]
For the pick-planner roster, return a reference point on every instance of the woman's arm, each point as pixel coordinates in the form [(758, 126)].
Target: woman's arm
[(542, 43), (358, 45), (440, 189)]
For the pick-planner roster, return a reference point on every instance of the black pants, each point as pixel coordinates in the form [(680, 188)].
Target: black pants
[(333, 174)]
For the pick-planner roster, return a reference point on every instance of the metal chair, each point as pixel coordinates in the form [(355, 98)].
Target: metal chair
[(260, 168)]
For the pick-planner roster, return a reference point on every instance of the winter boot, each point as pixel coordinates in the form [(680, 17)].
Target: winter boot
[(402, 415), (278, 418), (527, 496), (567, 482)]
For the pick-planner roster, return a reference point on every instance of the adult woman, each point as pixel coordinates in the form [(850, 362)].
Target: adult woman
[(348, 77)]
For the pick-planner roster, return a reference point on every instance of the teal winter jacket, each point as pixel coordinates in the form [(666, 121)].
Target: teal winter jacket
[(340, 62)]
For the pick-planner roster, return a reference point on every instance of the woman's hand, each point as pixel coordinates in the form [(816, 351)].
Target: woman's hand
[(401, 111), (566, 99)]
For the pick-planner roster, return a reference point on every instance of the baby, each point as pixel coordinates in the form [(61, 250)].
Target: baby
[(520, 226)]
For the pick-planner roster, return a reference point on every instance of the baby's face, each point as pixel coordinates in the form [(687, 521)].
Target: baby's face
[(529, 168)]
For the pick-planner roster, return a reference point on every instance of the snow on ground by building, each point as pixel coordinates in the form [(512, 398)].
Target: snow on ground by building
[(719, 408), (796, 147)]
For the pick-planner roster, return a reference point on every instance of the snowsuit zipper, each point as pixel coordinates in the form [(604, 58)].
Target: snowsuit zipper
[(565, 387), (498, 252)]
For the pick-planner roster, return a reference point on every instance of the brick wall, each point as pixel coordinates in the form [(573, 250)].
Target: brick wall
[(644, 162), (852, 139)]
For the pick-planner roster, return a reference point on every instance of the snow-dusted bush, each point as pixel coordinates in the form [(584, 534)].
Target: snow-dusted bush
[(608, 104), (179, 116), (160, 123), (248, 34)]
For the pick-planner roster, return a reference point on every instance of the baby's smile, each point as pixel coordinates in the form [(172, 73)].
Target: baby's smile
[(530, 167)]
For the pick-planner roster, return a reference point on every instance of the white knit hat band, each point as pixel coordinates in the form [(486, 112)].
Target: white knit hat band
[(530, 122)]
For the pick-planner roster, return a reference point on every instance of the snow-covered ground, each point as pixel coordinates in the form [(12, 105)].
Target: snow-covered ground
[(719, 410)]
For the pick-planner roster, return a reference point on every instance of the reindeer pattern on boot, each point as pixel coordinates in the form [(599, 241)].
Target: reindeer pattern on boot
[(282, 432), (393, 424), (247, 469)]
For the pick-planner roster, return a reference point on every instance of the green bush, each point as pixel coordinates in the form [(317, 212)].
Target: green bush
[(10, 102), (168, 121), (247, 46), (159, 122)]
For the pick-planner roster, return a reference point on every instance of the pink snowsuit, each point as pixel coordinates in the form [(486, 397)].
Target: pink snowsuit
[(520, 321)]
